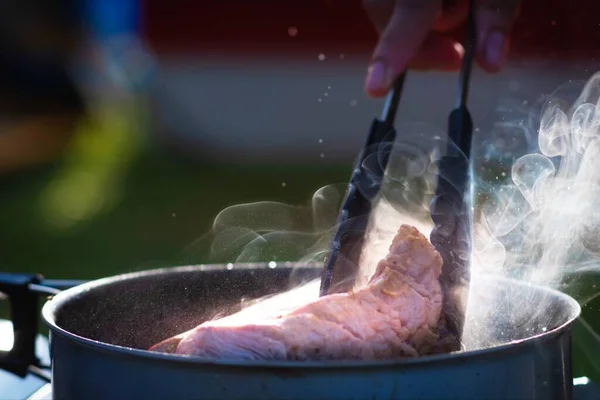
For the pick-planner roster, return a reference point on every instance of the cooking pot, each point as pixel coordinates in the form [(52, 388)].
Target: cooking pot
[(517, 338)]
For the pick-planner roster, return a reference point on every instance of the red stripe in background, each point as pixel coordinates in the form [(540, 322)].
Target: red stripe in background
[(550, 28), (256, 26)]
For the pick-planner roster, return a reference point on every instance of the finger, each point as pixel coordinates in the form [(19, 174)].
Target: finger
[(494, 22), (399, 42), (438, 53)]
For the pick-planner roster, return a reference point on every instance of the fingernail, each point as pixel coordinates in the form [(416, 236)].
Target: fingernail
[(378, 77), (495, 48)]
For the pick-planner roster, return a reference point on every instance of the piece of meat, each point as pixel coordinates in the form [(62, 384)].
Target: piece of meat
[(395, 315)]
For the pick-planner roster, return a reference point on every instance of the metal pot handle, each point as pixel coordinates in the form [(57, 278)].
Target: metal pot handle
[(22, 291)]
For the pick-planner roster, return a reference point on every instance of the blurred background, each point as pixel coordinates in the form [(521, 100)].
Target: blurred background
[(127, 125)]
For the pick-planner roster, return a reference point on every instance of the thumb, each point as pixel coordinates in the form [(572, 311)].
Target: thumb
[(494, 22), (400, 41)]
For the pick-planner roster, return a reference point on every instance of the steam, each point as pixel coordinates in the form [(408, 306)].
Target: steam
[(543, 225), (269, 231), (539, 224), (276, 233)]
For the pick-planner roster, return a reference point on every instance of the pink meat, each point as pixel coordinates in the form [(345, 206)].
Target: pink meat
[(395, 315)]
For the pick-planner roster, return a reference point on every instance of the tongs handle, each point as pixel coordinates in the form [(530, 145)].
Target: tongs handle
[(362, 190), (392, 100), (450, 208)]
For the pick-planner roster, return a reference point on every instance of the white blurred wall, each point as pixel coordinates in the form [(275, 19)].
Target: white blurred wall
[(313, 111)]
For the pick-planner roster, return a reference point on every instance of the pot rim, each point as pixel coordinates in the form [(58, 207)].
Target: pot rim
[(51, 307)]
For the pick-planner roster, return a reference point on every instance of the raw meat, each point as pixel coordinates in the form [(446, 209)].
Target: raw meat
[(395, 315)]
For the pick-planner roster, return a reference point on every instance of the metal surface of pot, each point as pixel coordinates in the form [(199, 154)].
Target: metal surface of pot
[(99, 330)]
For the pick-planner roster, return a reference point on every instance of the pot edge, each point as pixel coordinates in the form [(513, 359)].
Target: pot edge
[(50, 307)]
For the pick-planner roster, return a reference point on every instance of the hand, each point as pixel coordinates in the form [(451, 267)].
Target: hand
[(414, 34)]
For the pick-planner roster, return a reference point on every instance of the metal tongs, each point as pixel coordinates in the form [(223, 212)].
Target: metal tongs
[(450, 207)]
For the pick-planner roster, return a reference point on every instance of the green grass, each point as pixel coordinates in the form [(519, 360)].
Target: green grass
[(164, 205)]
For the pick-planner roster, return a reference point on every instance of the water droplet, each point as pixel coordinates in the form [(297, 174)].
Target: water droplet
[(321, 57), (272, 264), (320, 140), (174, 215), (342, 56), (476, 129), (553, 23), (329, 87), (322, 155), (503, 174), (292, 31), (353, 103), (283, 184), (326, 94), (319, 100), (229, 266)]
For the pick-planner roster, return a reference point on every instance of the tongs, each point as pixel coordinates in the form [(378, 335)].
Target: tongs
[(341, 265), (450, 207)]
